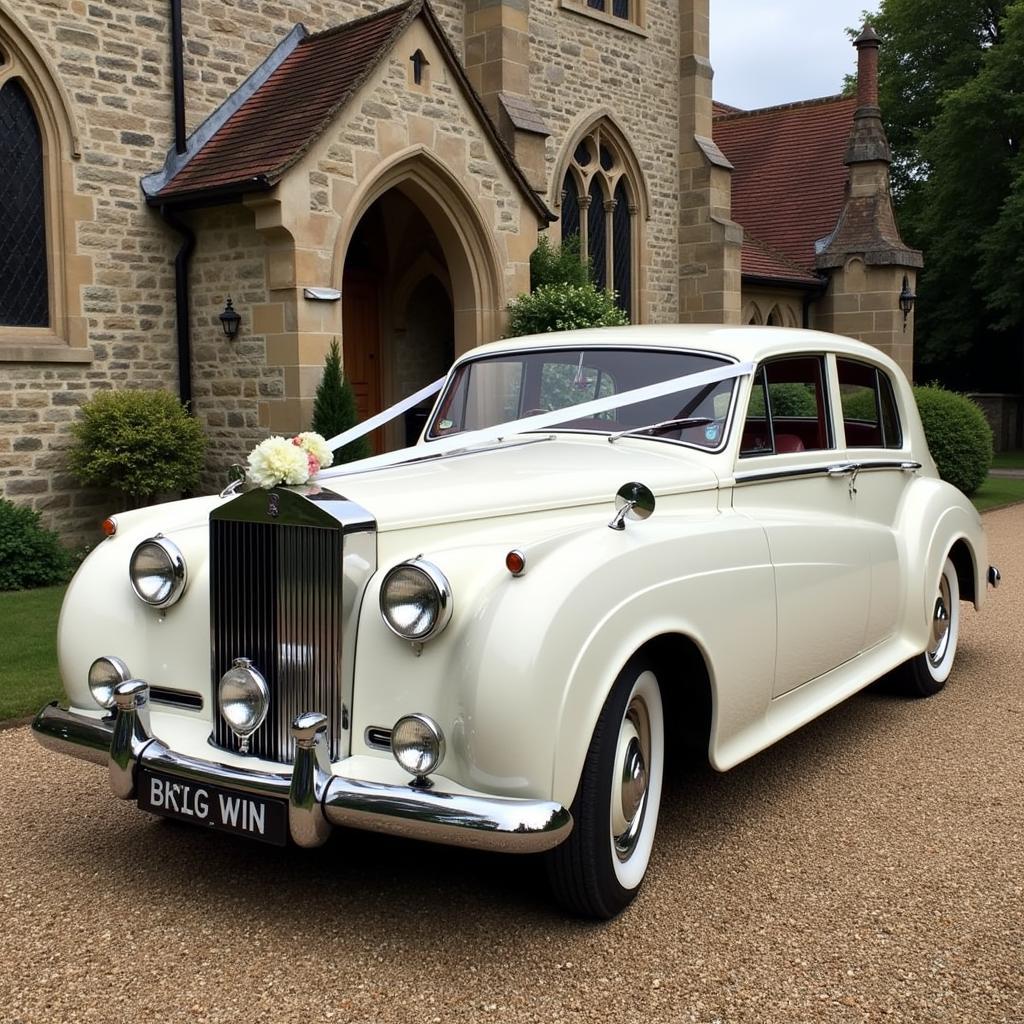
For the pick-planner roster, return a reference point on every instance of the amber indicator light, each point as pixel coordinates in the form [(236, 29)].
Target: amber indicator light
[(515, 562), (109, 527)]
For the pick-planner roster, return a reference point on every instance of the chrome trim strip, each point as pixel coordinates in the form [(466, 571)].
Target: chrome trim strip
[(378, 737), (188, 699), (832, 469), (458, 819)]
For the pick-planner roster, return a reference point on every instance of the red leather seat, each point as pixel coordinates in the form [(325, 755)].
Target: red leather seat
[(788, 443)]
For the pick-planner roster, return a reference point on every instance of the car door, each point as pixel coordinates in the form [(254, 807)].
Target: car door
[(876, 447), (790, 479)]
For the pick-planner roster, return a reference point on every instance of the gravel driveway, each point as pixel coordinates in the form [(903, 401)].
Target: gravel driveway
[(870, 867)]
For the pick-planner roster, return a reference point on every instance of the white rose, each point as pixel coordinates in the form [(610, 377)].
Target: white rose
[(276, 460)]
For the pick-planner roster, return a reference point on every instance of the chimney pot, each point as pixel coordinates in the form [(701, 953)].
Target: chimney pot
[(867, 44)]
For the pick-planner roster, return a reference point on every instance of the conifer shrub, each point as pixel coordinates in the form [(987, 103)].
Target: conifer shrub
[(958, 436), (30, 555), (141, 443), (334, 408)]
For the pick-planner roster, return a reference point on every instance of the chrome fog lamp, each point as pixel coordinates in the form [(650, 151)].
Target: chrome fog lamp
[(104, 674), (157, 572), (417, 743), (244, 700), (416, 600)]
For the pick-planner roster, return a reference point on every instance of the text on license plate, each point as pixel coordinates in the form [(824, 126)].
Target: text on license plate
[(223, 809)]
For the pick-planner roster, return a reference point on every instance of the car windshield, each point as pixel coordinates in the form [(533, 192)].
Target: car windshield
[(493, 390)]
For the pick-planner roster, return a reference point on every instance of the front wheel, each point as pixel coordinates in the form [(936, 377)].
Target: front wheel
[(597, 871), (926, 674)]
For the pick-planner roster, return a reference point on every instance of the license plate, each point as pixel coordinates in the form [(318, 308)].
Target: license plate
[(223, 809)]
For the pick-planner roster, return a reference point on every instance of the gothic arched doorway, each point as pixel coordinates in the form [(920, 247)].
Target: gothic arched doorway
[(398, 323)]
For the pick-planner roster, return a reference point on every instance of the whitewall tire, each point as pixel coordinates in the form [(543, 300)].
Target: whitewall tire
[(927, 673)]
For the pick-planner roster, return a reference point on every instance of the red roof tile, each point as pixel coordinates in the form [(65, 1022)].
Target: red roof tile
[(760, 260), (281, 118), (276, 125), (789, 181)]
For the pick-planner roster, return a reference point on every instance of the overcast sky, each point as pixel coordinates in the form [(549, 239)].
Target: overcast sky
[(766, 52)]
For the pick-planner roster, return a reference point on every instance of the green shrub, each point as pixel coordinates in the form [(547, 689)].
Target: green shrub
[(30, 555), (334, 408), (563, 307), (958, 435), (142, 443), (553, 264)]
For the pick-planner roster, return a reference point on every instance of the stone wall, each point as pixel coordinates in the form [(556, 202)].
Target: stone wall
[(582, 67)]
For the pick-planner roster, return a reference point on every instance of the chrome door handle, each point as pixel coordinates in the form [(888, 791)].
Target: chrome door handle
[(842, 468), (910, 467)]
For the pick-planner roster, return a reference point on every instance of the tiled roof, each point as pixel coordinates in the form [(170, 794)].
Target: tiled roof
[(789, 181), (761, 260), (279, 121), (286, 107)]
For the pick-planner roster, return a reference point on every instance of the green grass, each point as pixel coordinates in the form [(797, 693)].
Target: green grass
[(1008, 460), (28, 650), (997, 491)]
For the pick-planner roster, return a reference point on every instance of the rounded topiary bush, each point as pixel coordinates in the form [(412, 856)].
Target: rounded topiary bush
[(563, 307), (30, 555), (958, 435), (141, 443)]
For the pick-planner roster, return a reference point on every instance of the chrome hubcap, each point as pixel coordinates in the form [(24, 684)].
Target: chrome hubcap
[(940, 625), (629, 791)]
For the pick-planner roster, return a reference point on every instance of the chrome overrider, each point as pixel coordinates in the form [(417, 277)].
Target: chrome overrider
[(317, 800)]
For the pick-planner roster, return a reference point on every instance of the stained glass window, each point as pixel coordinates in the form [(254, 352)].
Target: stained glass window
[(24, 292)]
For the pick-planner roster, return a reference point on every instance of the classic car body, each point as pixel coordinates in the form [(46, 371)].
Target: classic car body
[(782, 541)]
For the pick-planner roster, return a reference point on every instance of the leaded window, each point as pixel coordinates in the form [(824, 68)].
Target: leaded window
[(597, 204), (24, 291)]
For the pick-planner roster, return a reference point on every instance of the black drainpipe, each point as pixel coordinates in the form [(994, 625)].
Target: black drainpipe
[(178, 71), (181, 261), (184, 254)]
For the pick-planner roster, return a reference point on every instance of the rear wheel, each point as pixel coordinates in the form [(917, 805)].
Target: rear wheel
[(597, 871), (926, 674)]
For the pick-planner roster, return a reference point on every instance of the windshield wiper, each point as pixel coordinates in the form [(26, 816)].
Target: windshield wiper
[(690, 421)]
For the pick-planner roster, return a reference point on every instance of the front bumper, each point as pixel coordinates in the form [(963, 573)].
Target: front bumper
[(317, 799)]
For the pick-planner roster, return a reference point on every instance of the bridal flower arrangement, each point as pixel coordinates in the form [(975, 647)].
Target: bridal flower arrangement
[(282, 460)]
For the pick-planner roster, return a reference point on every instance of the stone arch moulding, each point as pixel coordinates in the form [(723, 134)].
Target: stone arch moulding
[(469, 248), (752, 313), (51, 99), (65, 338), (608, 122)]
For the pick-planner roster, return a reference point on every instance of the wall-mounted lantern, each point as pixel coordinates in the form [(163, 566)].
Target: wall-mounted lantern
[(907, 300), (230, 320)]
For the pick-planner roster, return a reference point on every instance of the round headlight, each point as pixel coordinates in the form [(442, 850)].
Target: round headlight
[(418, 744), (244, 699), (157, 572), (104, 674), (416, 600)]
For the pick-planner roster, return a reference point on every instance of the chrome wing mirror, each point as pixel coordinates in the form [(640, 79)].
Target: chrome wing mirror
[(632, 501)]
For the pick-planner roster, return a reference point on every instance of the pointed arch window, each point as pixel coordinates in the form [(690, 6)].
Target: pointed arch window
[(24, 280), (598, 204)]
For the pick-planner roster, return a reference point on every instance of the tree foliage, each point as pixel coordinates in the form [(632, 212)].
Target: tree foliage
[(554, 264), (563, 307), (334, 408), (952, 94)]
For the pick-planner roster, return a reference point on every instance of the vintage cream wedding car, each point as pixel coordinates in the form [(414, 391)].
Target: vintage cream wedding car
[(606, 544)]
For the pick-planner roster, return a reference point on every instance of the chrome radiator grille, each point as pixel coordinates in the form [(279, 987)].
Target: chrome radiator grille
[(276, 598)]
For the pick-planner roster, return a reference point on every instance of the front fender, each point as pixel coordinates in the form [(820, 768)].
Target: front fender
[(546, 648)]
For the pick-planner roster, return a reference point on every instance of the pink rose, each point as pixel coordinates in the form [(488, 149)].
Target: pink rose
[(297, 441), (314, 466)]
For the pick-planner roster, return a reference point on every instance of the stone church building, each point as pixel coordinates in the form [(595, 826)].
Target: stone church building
[(380, 174)]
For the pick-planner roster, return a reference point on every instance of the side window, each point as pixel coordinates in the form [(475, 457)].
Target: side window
[(788, 409), (869, 406)]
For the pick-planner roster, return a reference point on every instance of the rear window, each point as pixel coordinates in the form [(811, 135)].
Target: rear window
[(870, 419)]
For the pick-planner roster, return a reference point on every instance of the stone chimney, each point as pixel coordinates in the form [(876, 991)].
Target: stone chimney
[(865, 257), (709, 241)]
